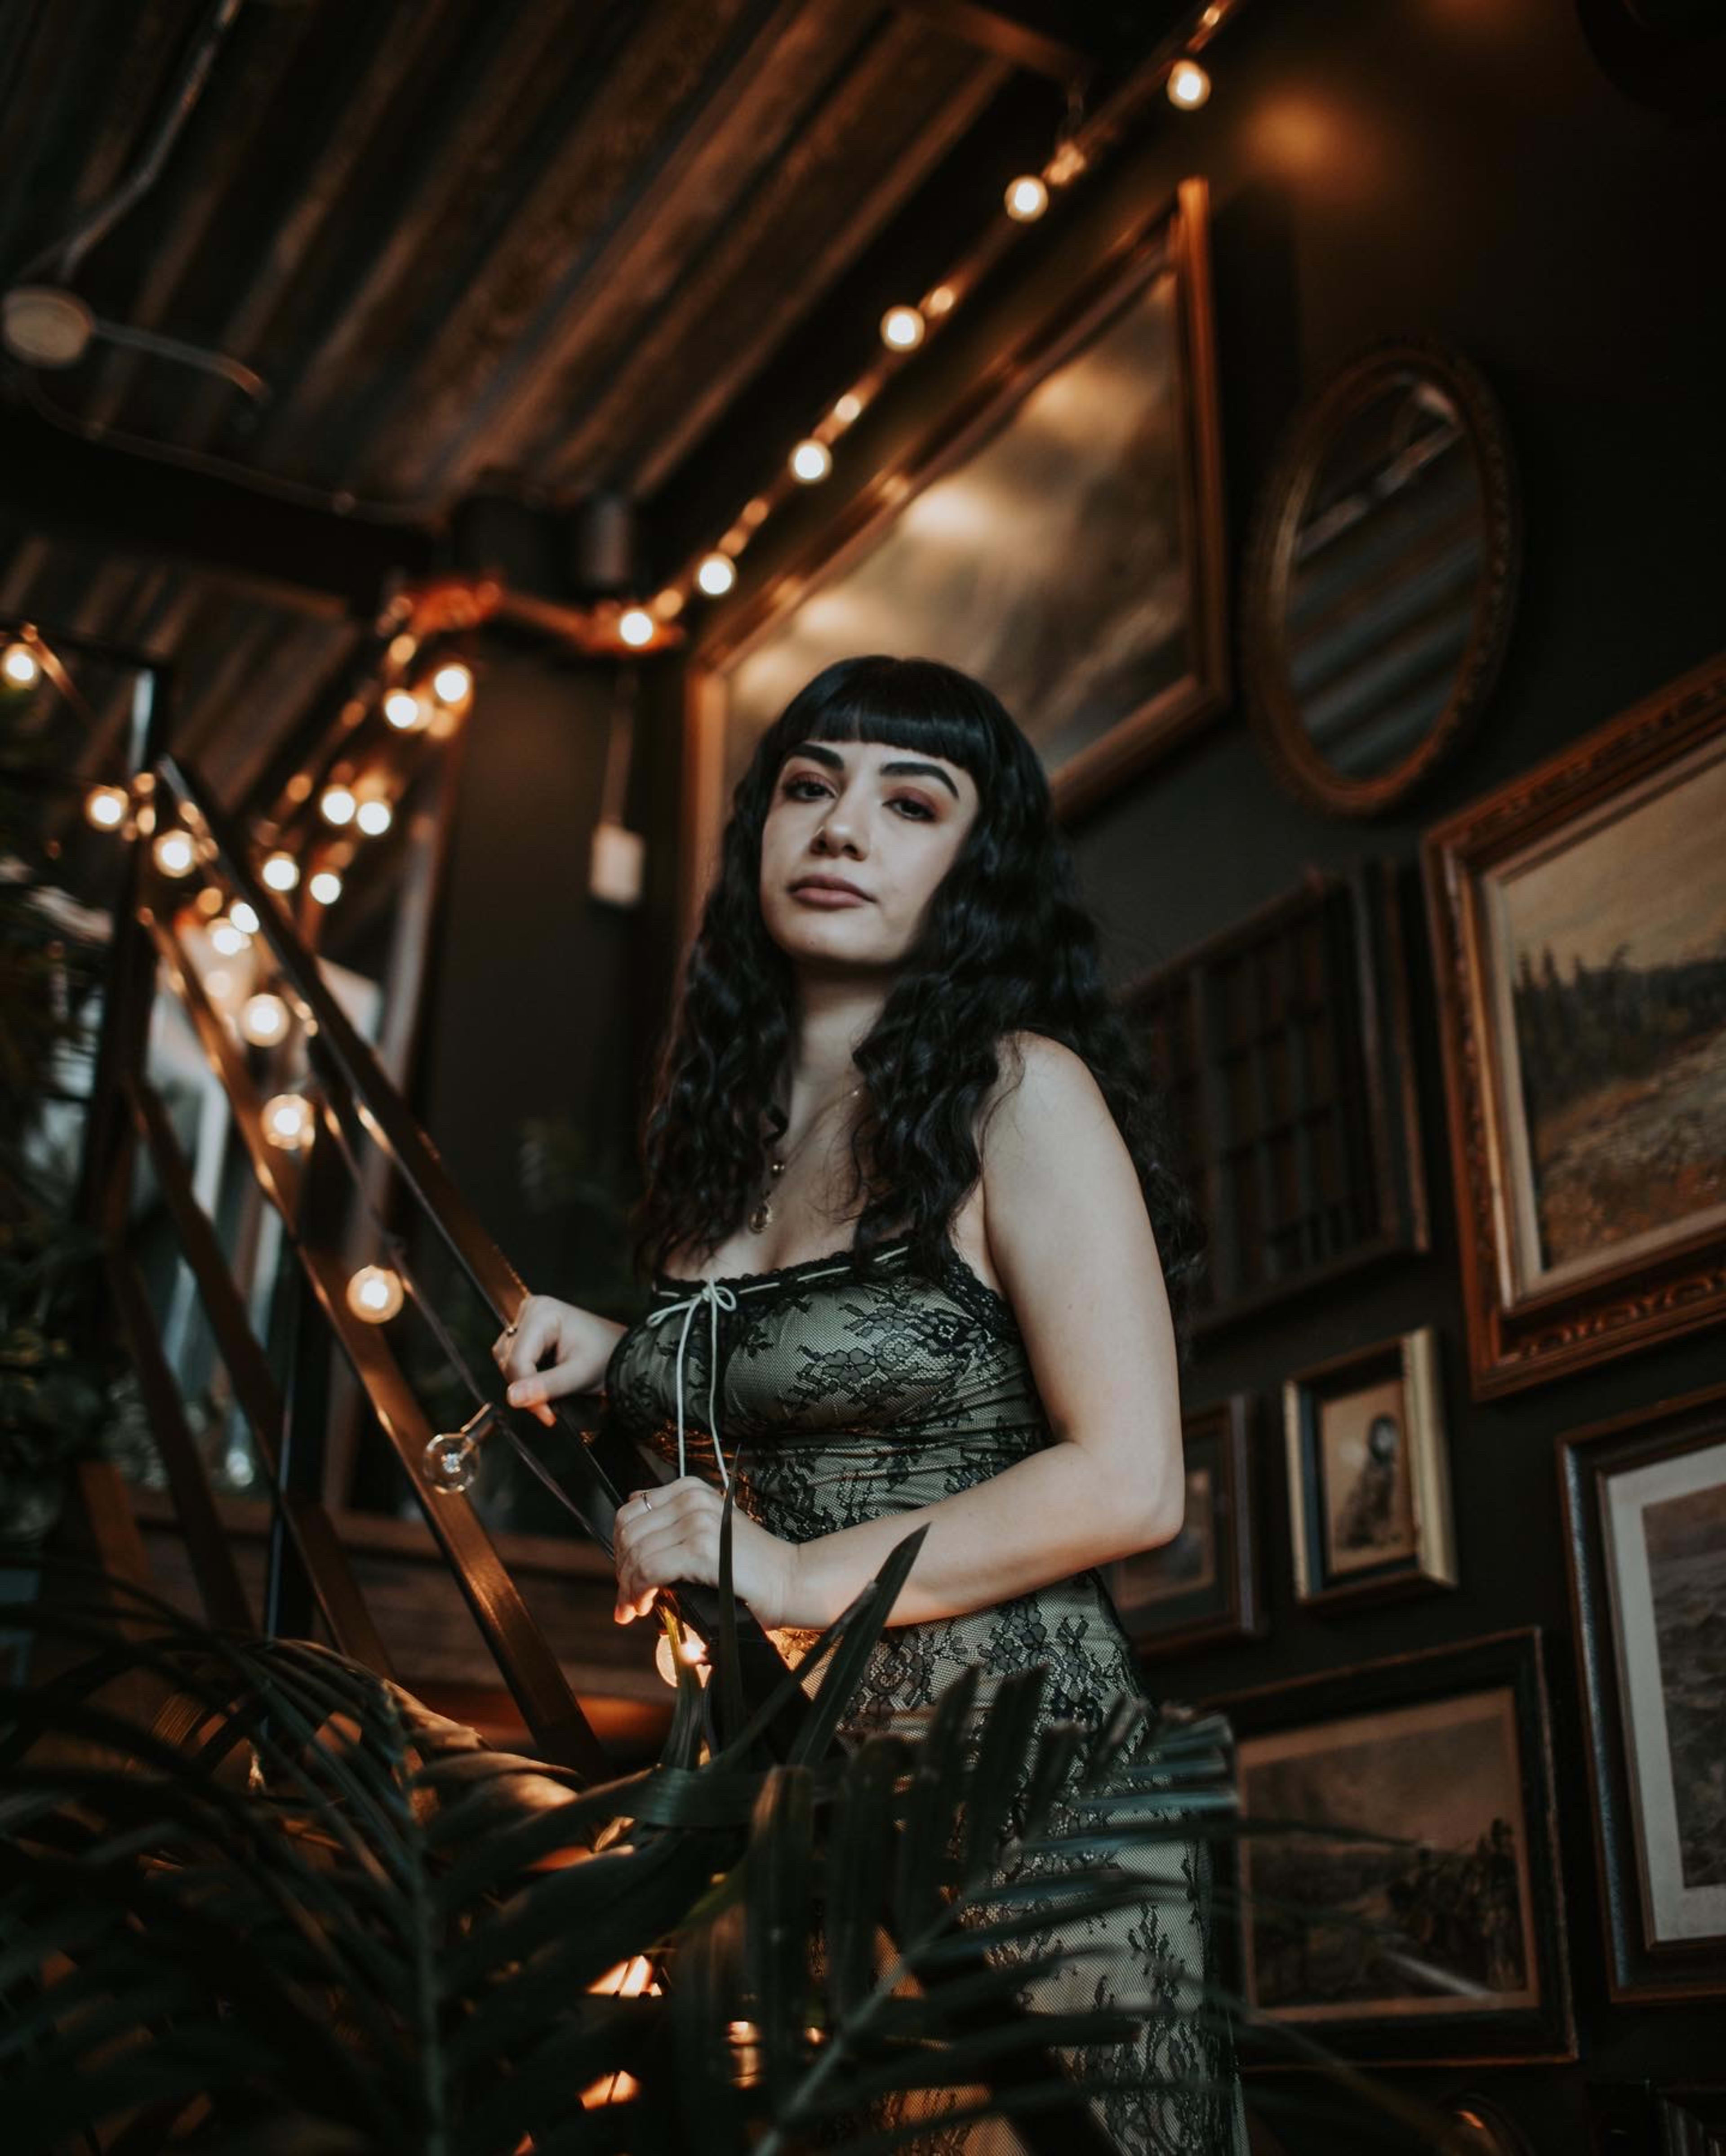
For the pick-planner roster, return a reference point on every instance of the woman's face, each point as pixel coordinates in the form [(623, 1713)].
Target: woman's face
[(887, 821)]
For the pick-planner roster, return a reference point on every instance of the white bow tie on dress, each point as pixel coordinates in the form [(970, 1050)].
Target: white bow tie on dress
[(717, 1296)]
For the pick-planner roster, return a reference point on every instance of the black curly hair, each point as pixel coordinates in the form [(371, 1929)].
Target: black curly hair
[(1007, 946)]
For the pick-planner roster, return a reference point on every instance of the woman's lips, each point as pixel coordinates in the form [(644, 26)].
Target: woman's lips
[(825, 894)]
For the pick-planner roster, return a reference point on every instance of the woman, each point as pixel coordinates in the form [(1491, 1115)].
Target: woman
[(919, 1261)]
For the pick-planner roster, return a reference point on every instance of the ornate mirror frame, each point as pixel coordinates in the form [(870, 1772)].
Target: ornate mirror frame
[(1264, 675)]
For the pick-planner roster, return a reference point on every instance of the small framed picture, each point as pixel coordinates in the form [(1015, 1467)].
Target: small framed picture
[(1426, 1924), (1645, 1504), (1202, 1588), (1368, 1473)]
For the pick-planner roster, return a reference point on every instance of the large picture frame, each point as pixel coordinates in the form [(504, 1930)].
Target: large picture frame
[(1368, 1473), (1054, 527), (1450, 1750), (1645, 1517), (1283, 1046), (1204, 1588), (1583, 1008)]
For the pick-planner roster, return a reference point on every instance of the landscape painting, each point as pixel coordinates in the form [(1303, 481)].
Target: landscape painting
[(1436, 1917), (1608, 956), (1666, 1548)]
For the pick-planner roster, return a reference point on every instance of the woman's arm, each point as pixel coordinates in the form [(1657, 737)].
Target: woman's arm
[(1071, 1240)]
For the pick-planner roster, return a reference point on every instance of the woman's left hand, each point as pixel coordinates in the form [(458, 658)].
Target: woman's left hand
[(662, 1536)]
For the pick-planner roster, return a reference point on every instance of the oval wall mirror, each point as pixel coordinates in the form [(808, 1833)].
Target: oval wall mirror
[(1380, 572)]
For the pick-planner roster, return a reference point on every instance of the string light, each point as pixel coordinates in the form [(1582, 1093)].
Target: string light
[(811, 460), (243, 918), (717, 573), (228, 939), (264, 1019), (218, 984), (1027, 198), (105, 806), (666, 1657), (375, 1294), (336, 804), (289, 1121), (901, 328), (453, 683), (373, 817), (172, 854), (280, 871), (21, 667), (405, 711), (635, 626), (1189, 86), (325, 886)]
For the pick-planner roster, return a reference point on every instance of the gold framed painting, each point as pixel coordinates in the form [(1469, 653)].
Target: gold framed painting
[(1054, 526), (1578, 931), (1368, 1473)]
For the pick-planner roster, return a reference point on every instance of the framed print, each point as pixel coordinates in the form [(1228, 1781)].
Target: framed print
[(1202, 1588), (1438, 1934), (1055, 527), (1368, 1473), (1579, 933), (1283, 1046), (1644, 1513)]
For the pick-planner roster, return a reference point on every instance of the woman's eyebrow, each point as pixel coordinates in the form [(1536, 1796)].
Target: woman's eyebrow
[(901, 768)]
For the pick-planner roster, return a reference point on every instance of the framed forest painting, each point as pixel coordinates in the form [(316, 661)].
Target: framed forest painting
[(1578, 931)]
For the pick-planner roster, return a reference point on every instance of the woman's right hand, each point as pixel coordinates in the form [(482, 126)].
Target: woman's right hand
[(579, 1343)]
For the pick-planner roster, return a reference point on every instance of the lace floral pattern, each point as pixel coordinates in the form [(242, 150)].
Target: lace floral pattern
[(841, 1397)]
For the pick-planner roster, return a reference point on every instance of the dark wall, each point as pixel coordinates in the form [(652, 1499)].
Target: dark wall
[(536, 1001), (1459, 168)]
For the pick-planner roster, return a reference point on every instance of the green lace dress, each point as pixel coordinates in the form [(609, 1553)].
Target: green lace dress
[(840, 1397)]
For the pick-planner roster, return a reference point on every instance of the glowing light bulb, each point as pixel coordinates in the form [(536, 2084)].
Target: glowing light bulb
[(227, 939), (21, 667), (289, 1121), (1027, 198), (325, 886), (105, 806), (336, 804), (172, 854), (280, 871), (717, 573), (453, 683), (902, 328), (374, 818), (665, 1659), (635, 625), (811, 460), (1189, 86), (374, 1294), (848, 407), (264, 1019), (243, 918), (218, 984)]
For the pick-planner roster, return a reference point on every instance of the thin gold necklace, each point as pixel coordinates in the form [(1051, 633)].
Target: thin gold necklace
[(778, 1163)]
